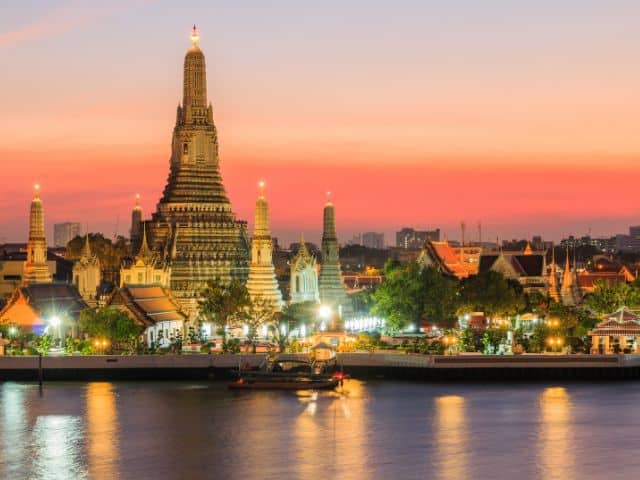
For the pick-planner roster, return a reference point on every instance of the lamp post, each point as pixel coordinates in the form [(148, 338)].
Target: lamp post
[(555, 342)]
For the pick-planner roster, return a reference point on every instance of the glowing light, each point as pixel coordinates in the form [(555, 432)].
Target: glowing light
[(245, 330), (54, 321), (324, 311), (195, 36), (36, 187)]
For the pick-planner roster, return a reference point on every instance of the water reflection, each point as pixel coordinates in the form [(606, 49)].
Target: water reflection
[(13, 429), (451, 437), (102, 431), (554, 437), (329, 433), (57, 447)]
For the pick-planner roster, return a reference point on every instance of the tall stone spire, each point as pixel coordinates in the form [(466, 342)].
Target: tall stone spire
[(136, 224), (213, 244), (332, 290), (554, 293), (568, 291), (262, 281), (36, 269)]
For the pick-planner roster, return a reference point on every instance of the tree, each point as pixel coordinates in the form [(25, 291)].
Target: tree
[(113, 325), (225, 306), (492, 338), (492, 293), (607, 297), (261, 313), (410, 293)]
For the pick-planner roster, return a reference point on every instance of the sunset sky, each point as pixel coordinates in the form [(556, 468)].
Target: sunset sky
[(524, 115)]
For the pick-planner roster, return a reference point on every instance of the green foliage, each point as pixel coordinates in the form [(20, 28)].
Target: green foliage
[(607, 298), (493, 294), (470, 340), (493, 338), (112, 325), (224, 305), (261, 312), (109, 252), (43, 344), (411, 293)]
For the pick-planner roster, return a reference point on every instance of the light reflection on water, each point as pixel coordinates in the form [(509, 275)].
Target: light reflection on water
[(369, 430), (451, 437)]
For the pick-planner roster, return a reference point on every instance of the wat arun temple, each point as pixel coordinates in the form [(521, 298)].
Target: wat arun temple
[(194, 227)]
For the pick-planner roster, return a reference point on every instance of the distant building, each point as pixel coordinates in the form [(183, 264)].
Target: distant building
[(355, 240), (63, 233), (373, 240), (409, 238)]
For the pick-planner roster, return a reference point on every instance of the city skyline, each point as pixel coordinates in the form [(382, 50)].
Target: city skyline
[(539, 139)]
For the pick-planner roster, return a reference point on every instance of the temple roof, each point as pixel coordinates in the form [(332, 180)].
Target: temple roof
[(531, 265), (45, 300), (149, 304)]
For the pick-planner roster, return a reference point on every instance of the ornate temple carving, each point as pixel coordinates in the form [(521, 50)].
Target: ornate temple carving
[(87, 274), (304, 276)]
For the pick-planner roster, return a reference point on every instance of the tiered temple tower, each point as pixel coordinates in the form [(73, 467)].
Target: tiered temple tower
[(262, 281), (304, 276), (36, 269), (194, 225), (569, 291), (332, 290), (554, 291)]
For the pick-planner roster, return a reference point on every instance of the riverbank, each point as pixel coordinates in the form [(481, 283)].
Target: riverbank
[(359, 365)]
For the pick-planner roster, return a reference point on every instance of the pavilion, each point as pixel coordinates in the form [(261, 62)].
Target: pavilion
[(617, 333)]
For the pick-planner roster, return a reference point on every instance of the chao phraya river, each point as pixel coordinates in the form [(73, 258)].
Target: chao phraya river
[(386, 430)]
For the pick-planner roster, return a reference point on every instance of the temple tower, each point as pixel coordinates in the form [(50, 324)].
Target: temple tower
[(86, 274), (136, 225), (552, 282), (567, 292), (304, 276), (36, 269), (212, 244), (262, 281), (332, 290)]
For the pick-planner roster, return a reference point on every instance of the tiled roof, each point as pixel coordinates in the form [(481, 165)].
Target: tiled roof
[(149, 304)]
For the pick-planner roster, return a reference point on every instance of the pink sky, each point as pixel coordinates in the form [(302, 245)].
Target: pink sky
[(431, 117)]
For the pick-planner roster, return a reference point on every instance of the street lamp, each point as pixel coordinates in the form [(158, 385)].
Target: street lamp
[(555, 342)]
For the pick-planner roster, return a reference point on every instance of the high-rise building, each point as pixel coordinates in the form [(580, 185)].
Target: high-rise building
[(373, 240), (63, 233), (194, 226), (262, 283), (36, 269), (409, 238), (332, 289)]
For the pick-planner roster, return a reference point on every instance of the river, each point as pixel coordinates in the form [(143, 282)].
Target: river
[(386, 430)]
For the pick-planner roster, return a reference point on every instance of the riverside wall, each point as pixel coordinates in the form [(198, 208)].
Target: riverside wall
[(376, 365)]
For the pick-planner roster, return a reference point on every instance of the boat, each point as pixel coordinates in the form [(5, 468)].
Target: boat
[(288, 374)]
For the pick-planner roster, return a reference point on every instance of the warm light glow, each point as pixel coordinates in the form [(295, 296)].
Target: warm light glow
[(195, 36), (54, 321), (324, 311)]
